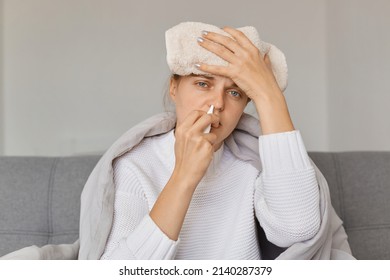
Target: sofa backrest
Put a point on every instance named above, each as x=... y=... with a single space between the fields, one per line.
x=40 y=199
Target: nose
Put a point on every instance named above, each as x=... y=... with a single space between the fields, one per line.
x=218 y=100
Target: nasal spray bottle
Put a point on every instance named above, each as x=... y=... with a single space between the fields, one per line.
x=210 y=111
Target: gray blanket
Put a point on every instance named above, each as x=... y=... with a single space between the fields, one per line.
x=97 y=201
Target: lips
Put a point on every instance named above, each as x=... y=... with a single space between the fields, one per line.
x=216 y=125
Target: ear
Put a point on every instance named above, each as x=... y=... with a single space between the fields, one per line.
x=173 y=89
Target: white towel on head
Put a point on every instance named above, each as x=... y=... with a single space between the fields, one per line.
x=183 y=50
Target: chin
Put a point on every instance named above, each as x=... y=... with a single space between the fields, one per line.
x=221 y=135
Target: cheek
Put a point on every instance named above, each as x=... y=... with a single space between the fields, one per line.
x=184 y=106
x=233 y=116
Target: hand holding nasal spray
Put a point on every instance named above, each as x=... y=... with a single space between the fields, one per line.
x=210 y=111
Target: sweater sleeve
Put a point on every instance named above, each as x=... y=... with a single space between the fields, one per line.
x=286 y=191
x=134 y=235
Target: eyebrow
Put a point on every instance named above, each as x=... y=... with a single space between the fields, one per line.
x=212 y=78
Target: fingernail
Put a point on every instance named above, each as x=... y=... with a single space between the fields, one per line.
x=200 y=39
x=197 y=65
x=204 y=32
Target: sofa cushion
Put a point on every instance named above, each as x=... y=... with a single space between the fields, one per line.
x=40 y=199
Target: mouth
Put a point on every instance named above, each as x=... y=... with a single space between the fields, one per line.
x=216 y=125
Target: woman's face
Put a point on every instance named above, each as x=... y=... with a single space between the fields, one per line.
x=198 y=92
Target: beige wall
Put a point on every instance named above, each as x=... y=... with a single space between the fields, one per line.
x=80 y=73
x=359 y=71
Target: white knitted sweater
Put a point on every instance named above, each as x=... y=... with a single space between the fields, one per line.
x=220 y=222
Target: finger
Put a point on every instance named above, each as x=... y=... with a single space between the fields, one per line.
x=223 y=40
x=267 y=61
x=218 y=49
x=191 y=118
x=210 y=137
x=240 y=37
x=205 y=121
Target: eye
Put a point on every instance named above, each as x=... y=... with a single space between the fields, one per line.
x=202 y=84
x=235 y=93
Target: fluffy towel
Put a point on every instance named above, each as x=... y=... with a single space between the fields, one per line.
x=183 y=50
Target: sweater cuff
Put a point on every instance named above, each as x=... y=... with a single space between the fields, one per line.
x=148 y=242
x=283 y=152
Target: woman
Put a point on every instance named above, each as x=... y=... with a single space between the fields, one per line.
x=193 y=184
x=185 y=195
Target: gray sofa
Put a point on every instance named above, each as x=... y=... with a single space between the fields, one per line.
x=40 y=199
